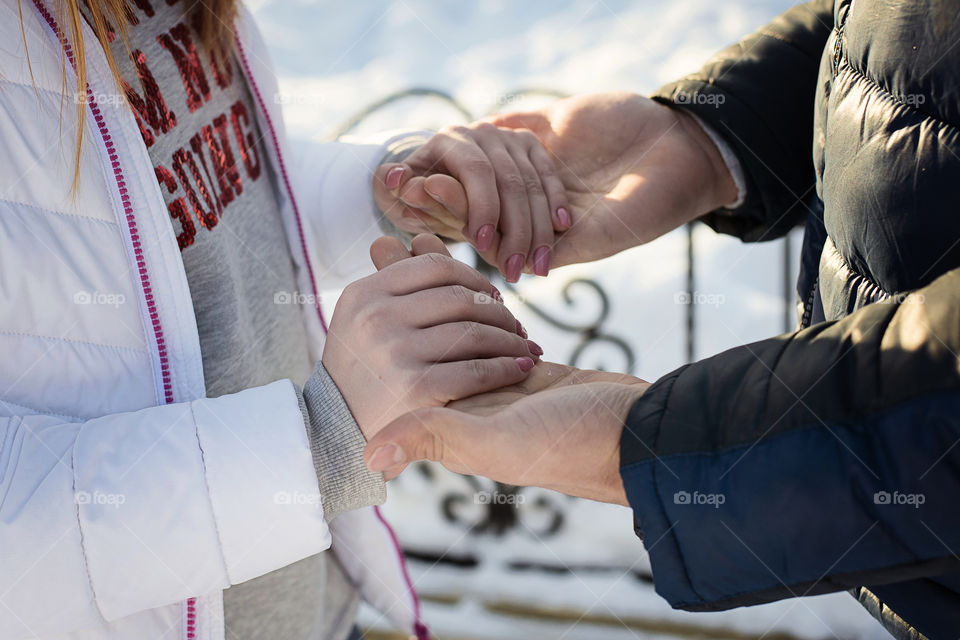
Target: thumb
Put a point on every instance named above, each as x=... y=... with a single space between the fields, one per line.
x=388 y=178
x=386 y=250
x=426 y=434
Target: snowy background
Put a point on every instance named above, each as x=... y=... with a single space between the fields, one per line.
x=334 y=59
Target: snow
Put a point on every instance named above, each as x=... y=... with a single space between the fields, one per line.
x=334 y=59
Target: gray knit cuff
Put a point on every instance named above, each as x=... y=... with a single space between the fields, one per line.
x=398 y=152
x=337 y=447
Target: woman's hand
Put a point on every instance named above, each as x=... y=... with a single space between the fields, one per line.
x=558 y=429
x=633 y=169
x=422 y=332
x=496 y=188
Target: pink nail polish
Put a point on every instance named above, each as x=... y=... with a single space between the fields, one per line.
x=525 y=364
x=541 y=261
x=535 y=349
x=394 y=177
x=514 y=267
x=564 y=217
x=485 y=238
x=521 y=331
x=496 y=295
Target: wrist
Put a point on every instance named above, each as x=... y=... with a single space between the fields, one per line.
x=721 y=187
x=606 y=484
x=337 y=444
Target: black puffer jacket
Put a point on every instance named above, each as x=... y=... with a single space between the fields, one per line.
x=836 y=449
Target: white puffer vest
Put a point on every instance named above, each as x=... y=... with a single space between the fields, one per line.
x=128 y=501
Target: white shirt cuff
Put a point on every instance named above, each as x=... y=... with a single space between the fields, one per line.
x=729 y=158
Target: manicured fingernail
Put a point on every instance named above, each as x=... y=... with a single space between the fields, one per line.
x=521 y=331
x=541 y=261
x=496 y=295
x=389 y=455
x=394 y=177
x=525 y=364
x=564 y=217
x=514 y=267
x=535 y=349
x=485 y=238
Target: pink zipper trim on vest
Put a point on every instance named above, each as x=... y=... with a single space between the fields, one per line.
x=286 y=178
x=419 y=628
x=127 y=210
x=137 y=250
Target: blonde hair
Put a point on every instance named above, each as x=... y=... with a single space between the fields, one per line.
x=213 y=19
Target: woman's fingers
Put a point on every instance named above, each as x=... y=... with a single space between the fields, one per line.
x=459 y=341
x=452 y=151
x=515 y=226
x=450 y=381
x=553 y=187
x=541 y=223
x=458 y=303
x=429 y=271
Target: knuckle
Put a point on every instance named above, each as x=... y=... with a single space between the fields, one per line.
x=513 y=183
x=431 y=447
x=472 y=334
x=462 y=298
x=455 y=130
x=533 y=186
x=479 y=165
x=439 y=265
x=487 y=128
x=482 y=372
x=548 y=172
x=371 y=315
x=527 y=135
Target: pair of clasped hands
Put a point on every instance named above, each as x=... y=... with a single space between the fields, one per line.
x=428 y=358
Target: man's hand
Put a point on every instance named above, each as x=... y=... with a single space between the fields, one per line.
x=633 y=169
x=497 y=188
x=559 y=429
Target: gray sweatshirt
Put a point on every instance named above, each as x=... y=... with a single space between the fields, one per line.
x=198 y=122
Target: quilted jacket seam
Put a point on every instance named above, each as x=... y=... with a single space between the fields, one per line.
x=41 y=209
x=890 y=95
